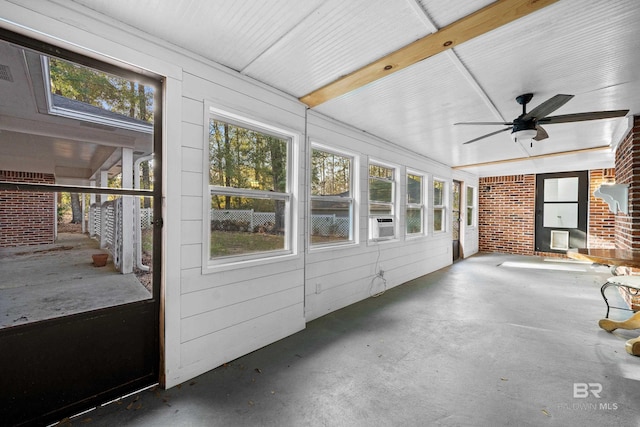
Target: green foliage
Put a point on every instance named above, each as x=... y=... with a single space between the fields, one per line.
x=229 y=225
x=380 y=172
x=414 y=189
x=330 y=174
x=226 y=243
x=438 y=192
x=100 y=89
x=380 y=191
x=245 y=158
x=242 y=203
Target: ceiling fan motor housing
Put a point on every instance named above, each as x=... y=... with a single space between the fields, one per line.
x=520 y=125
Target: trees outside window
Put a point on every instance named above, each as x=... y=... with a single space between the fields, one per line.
x=415 y=204
x=439 y=207
x=381 y=190
x=471 y=205
x=106 y=91
x=248 y=186
x=332 y=210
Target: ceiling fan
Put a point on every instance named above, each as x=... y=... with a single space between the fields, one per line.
x=527 y=126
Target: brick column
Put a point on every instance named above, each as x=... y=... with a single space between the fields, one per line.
x=26 y=218
x=628 y=172
x=602 y=222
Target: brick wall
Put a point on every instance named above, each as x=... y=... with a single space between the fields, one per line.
x=506 y=210
x=26 y=218
x=628 y=172
x=507 y=214
x=602 y=223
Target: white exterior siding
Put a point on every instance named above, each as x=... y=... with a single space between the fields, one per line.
x=342 y=275
x=212 y=316
x=230 y=310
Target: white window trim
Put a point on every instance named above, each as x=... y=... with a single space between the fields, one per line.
x=249 y=121
x=422 y=205
x=444 y=206
x=394 y=200
x=354 y=235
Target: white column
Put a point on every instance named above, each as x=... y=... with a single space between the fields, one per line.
x=84 y=212
x=92 y=201
x=104 y=182
x=127 y=212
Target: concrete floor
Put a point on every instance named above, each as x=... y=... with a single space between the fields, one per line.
x=45 y=281
x=474 y=344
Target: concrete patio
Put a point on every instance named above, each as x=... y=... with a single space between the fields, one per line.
x=480 y=343
x=46 y=281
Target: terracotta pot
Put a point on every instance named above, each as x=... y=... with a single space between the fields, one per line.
x=99 y=260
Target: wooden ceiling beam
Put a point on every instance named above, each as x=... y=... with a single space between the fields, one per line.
x=536 y=157
x=484 y=20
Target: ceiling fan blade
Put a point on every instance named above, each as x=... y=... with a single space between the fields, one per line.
x=548 y=106
x=487 y=135
x=542 y=134
x=485 y=123
x=581 y=117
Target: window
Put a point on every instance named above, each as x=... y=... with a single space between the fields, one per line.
x=439 y=208
x=331 y=198
x=248 y=185
x=415 y=204
x=381 y=192
x=83 y=93
x=471 y=206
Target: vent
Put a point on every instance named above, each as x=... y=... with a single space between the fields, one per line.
x=97 y=126
x=559 y=240
x=5 y=73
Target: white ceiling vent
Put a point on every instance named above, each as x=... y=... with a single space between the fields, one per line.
x=5 y=73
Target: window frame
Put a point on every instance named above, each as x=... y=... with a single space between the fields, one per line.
x=421 y=206
x=351 y=199
x=470 y=204
x=394 y=199
x=442 y=206
x=292 y=138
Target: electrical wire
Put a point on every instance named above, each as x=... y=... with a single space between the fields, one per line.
x=379 y=275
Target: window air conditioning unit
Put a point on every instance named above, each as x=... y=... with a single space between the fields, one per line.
x=382 y=227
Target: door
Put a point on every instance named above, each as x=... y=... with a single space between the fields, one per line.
x=80 y=175
x=561 y=211
x=455 y=227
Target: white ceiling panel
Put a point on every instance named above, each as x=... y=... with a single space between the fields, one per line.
x=553 y=51
x=336 y=39
x=416 y=108
x=230 y=32
x=443 y=13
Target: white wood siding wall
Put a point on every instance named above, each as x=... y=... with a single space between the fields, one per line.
x=229 y=311
x=353 y=269
x=212 y=317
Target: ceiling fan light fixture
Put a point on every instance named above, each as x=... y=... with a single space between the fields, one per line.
x=524 y=135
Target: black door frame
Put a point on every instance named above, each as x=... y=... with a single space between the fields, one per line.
x=55 y=368
x=578 y=235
